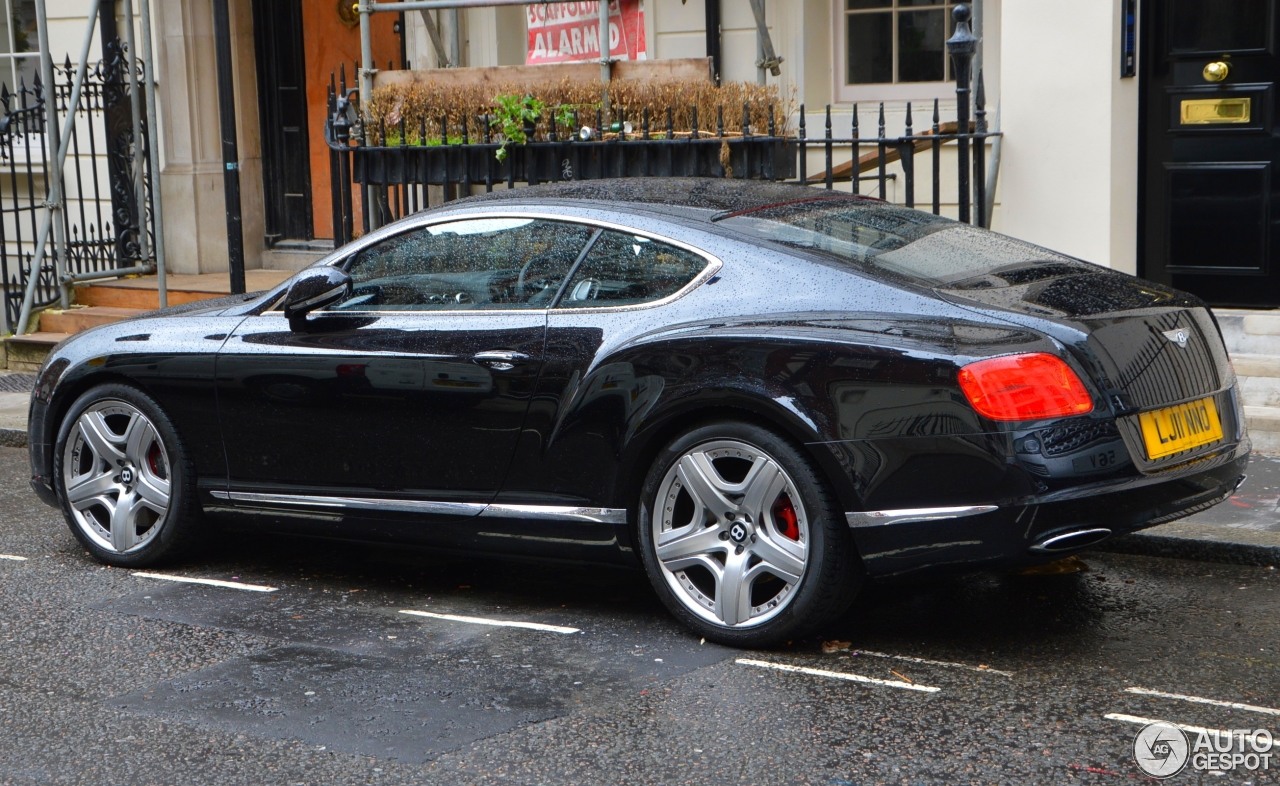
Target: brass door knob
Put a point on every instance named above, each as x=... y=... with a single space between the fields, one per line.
x=1216 y=71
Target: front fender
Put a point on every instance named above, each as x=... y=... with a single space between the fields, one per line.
x=171 y=357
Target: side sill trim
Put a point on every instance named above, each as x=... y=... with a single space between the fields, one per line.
x=354 y=503
x=880 y=518
x=535 y=512
x=556 y=512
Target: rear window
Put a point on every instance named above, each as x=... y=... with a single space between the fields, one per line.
x=924 y=248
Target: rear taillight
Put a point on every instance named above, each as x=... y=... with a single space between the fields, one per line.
x=1024 y=387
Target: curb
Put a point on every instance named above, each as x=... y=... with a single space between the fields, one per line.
x=13 y=438
x=1183 y=540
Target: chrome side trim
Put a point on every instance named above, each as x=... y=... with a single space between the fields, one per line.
x=879 y=518
x=536 y=512
x=357 y=503
x=557 y=513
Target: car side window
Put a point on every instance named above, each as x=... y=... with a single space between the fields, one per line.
x=622 y=269
x=478 y=263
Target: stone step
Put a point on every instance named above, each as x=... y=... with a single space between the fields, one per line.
x=74 y=320
x=27 y=353
x=1262 y=418
x=137 y=299
x=1259 y=391
x=292 y=259
x=1259 y=379
x=141 y=292
x=1262 y=324
x=1251 y=339
x=1250 y=365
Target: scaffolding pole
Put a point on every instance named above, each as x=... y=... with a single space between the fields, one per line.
x=153 y=149
x=58 y=143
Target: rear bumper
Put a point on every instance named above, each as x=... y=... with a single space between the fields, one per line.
x=1014 y=535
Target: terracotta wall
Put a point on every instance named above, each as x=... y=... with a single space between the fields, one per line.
x=330 y=43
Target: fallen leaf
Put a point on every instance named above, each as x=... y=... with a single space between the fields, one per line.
x=829 y=647
x=1061 y=567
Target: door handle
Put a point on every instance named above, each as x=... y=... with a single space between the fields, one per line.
x=500 y=359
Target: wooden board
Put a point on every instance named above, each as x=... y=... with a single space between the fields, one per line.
x=871 y=161
x=675 y=70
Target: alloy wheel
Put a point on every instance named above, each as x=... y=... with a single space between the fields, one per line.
x=116 y=476
x=731 y=534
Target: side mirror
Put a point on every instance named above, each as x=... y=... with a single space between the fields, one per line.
x=314 y=289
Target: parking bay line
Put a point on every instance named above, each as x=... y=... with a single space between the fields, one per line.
x=1118 y=716
x=13 y=557
x=494 y=623
x=838 y=675
x=928 y=662
x=1200 y=700
x=207 y=582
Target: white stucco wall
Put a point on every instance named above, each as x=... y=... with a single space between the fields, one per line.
x=1070 y=171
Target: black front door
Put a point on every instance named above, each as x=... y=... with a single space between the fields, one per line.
x=1211 y=162
x=282 y=112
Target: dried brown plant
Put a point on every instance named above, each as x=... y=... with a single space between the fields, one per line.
x=421 y=108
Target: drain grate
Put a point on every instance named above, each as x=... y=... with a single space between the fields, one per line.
x=17 y=383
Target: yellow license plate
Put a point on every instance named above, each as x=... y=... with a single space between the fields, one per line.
x=1181 y=427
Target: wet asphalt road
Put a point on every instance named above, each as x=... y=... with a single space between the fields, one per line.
x=109 y=678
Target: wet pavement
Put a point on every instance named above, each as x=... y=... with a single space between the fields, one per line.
x=1255 y=505
x=109 y=677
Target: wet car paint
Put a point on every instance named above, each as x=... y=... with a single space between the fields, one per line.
x=860 y=369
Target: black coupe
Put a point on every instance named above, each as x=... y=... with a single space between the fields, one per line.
x=761 y=393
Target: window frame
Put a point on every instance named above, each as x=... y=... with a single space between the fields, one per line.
x=713 y=266
x=344 y=262
x=884 y=91
x=11 y=58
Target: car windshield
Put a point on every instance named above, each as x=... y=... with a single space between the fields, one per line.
x=927 y=249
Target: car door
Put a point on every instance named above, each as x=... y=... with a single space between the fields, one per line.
x=586 y=408
x=404 y=401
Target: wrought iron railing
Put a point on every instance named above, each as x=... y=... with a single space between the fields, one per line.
x=101 y=219
x=373 y=184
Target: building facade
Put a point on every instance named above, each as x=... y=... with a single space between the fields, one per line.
x=1122 y=144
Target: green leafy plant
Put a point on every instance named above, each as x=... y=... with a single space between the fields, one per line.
x=511 y=112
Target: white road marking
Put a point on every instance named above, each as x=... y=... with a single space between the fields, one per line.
x=13 y=557
x=948 y=664
x=1117 y=716
x=207 y=582
x=495 y=623
x=1198 y=700
x=838 y=675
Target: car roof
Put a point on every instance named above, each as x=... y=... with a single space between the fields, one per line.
x=696 y=198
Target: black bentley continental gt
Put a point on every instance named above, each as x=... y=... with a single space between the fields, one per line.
x=761 y=393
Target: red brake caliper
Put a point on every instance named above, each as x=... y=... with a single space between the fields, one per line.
x=155 y=460
x=784 y=517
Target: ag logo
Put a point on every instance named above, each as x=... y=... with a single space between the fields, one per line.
x=738 y=533
x=1178 y=336
x=1161 y=749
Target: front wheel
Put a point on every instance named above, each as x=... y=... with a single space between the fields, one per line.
x=741 y=539
x=124 y=481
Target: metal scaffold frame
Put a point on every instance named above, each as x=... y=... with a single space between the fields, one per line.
x=141 y=91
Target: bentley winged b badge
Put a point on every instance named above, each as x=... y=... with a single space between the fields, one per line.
x=1178 y=336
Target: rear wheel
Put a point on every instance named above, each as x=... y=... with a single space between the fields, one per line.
x=741 y=539
x=123 y=478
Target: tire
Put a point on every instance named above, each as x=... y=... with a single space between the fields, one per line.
x=116 y=448
x=771 y=536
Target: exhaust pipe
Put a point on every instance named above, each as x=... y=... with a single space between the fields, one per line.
x=1071 y=541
